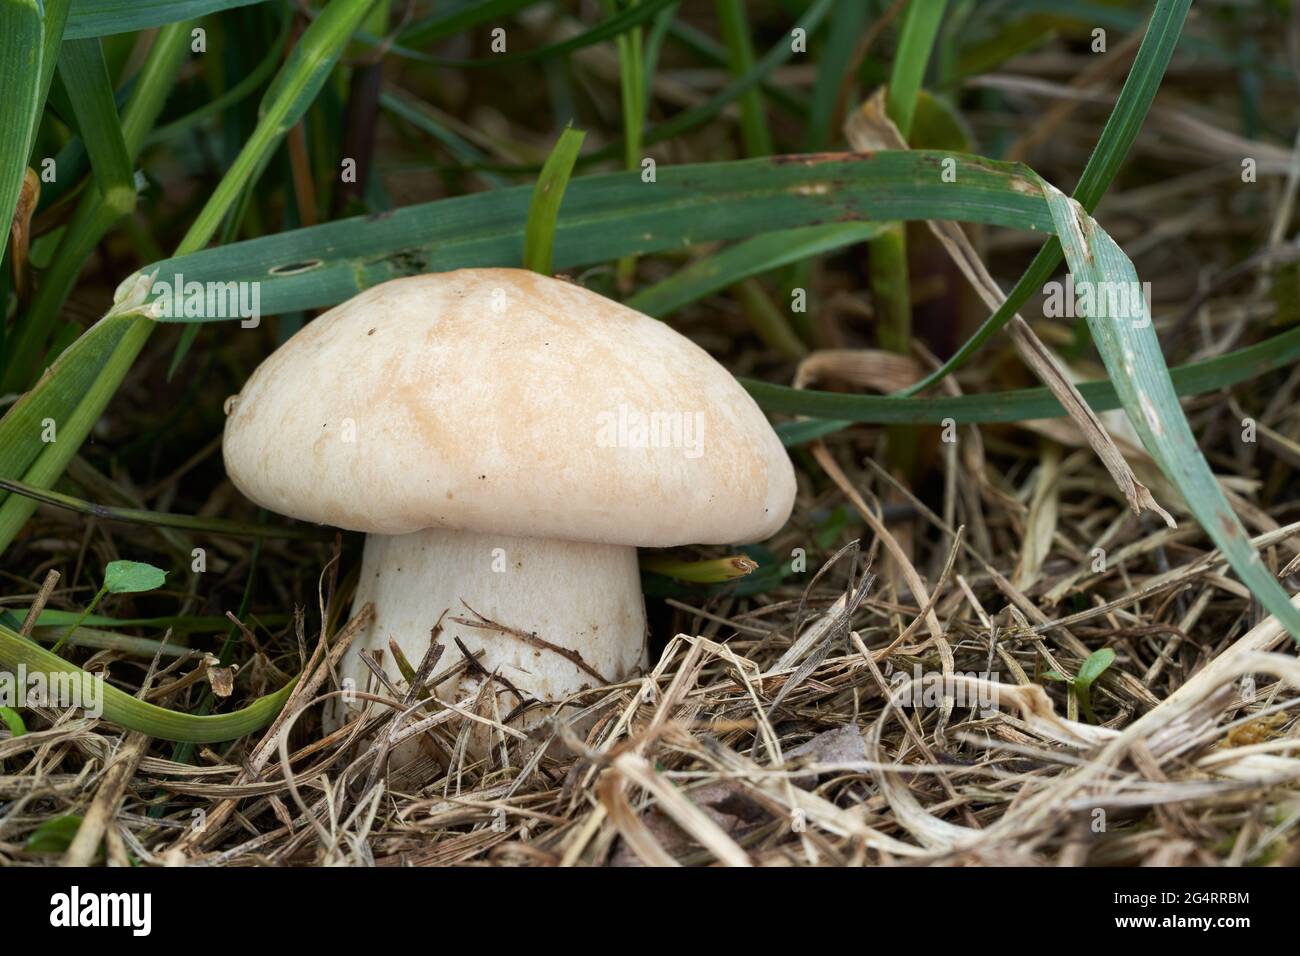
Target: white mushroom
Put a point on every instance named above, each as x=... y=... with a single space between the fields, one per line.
x=506 y=441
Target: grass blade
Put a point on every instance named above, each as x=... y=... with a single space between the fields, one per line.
x=22 y=35
x=1132 y=355
x=85 y=76
x=92 y=218
x=740 y=60
x=97 y=18
x=293 y=90
x=548 y=194
x=835 y=410
x=616 y=214
x=1112 y=146
x=748 y=258
x=132 y=713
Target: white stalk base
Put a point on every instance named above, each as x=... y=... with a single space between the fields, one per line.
x=577 y=609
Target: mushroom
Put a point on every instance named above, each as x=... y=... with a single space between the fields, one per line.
x=506 y=441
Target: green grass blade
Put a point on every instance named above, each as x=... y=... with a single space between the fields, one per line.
x=85 y=76
x=835 y=410
x=616 y=214
x=55 y=455
x=57 y=394
x=245 y=87
x=847 y=22
x=915 y=43
x=293 y=90
x=734 y=26
x=631 y=18
x=291 y=93
x=1121 y=129
x=97 y=18
x=463 y=16
x=92 y=218
x=161 y=519
x=56 y=21
x=548 y=194
x=1132 y=355
x=22 y=36
x=748 y=258
x=132 y=713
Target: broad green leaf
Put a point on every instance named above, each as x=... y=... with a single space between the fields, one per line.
x=132 y=577
x=548 y=194
x=1094 y=667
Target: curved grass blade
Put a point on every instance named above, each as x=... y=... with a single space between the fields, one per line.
x=1131 y=352
x=831 y=411
x=745 y=259
x=126 y=711
x=162 y=519
x=613 y=215
x=1121 y=129
x=73 y=419
x=97 y=18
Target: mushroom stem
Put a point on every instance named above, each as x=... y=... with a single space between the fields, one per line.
x=551 y=617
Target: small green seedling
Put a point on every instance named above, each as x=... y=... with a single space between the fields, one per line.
x=120 y=577
x=1092 y=669
x=54 y=835
x=13 y=720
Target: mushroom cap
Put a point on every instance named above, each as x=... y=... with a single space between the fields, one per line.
x=502 y=401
